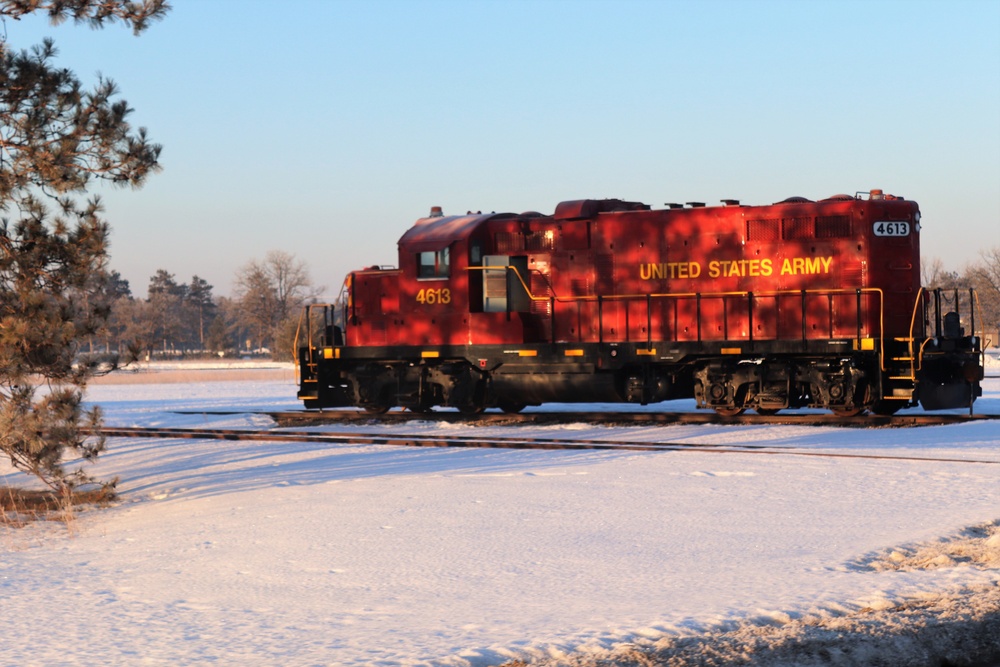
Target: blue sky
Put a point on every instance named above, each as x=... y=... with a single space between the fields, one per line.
x=325 y=128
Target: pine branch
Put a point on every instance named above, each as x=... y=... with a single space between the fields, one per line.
x=95 y=13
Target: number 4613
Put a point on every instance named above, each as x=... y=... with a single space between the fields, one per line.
x=432 y=296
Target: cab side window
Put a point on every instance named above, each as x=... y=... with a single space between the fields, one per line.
x=434 y=264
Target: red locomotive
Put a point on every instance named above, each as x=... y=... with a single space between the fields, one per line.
x=797 y=304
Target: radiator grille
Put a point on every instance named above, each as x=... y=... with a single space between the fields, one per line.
x=833 y=226
x=797 y=228
x=764 y=230
x=509 y=243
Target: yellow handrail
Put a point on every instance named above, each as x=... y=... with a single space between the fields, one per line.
x=643 y=295
x=710 y=295
x=915 y=364
x=917 y=361
x=295 y=345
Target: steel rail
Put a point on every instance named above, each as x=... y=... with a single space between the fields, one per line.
x=298 y=417
x=492 y=442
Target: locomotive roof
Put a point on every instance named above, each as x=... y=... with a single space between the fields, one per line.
x=439 y=230
x=445 y=229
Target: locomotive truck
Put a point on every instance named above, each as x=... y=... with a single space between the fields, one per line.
x=796 y=304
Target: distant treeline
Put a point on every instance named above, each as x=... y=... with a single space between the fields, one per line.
x=185 y=319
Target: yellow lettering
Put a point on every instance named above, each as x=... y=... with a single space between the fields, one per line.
x=671 y=270
x=799 y=265
x=735 y=268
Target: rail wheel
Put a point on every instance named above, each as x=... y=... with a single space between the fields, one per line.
x=729 y=412
x=767 y=412
x=471 y=409
x=376 y=409
x=842 y=411
x=511 y=407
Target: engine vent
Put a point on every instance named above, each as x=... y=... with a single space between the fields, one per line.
x=764 y=230
x=833 y=226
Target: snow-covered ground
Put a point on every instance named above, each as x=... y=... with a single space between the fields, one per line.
x=250 y=553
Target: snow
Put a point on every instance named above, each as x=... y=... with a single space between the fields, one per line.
x=256 y=553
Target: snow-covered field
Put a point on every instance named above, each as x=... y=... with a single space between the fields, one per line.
x=249 y=553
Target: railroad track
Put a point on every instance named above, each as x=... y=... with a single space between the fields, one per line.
x=494 y=442
x=302 y=417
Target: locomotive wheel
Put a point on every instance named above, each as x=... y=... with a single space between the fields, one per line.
x=729 y=412
x=471 y=409
x=841 y=411
x=511 y=408
x=376 y=409
x=767 y=412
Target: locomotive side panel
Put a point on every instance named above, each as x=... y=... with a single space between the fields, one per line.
x=373 y=307
x=433 y=294
x=891 y=232
x=735 y=273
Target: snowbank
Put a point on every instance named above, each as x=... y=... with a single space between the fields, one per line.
x=255 y=553
x=957 y=629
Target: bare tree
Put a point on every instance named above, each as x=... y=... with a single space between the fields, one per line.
x=985 y=277
x=933 y=274
x=270 y=292
x=292 y=283
x=258 y=302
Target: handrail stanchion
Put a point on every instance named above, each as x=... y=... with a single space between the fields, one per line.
x=804 y=330
x=697 y=315
x=600 y=319
x=649 y=321
x=858 y=293
x=937 y=312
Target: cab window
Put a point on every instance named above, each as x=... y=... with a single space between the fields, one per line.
x=434 y=264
